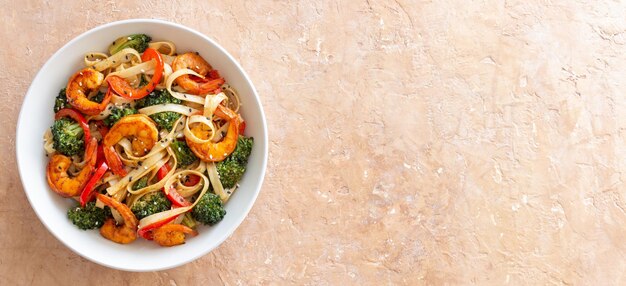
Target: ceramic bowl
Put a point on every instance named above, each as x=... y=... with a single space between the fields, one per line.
x=37 y=115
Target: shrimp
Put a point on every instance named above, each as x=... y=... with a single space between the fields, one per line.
x=196 y=63
x=212 y=151
x=61 y=182
x=172 y=234
x=125 y=233
x=144 y=133
x=80 y=85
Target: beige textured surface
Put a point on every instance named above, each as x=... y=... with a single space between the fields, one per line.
x=412 y=142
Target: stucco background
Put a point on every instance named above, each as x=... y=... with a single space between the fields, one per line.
x=411 y=142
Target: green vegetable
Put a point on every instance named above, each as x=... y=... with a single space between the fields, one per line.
x=142 y=183
x=61 y=101
x=232 y=168
x=88 y=217
x=164 y=120
x=117 y=113
x=99 y=97
x=143 y=81
x=183 y=153
x=209 y=209
x=230 y=172
x=243 y=150
x=67 y=136
x=188 y=221
x=157 y=97
x=150 y=204
x=138 y=42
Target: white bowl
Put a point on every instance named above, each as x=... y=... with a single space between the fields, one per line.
x=37 y=115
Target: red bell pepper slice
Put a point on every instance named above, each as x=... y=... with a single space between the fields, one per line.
x=102 y=127
x=89 y=190
x=242 y=127
x=100 y=155
x=162 y=172
x=124 y=89
x=172 y=195
x=146 y=232
x=191 y=180
x=73 y=114
x=177 y=199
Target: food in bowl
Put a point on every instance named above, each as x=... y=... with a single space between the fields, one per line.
x=149 y=142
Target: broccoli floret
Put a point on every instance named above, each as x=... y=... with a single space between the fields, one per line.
x=183 y=153
x=117 y=113
x=138 y=42
x=157 y=97
x=188 y=221
x=150 y=204
x=209 y=209
x=67 y=136
x=232 y=168
x=243 y=150
x=88 y=217
x=164 y=120
x=230 y=172
x=142 y=183
x=61 y=101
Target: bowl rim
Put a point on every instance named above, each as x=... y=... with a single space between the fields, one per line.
x=257 y=100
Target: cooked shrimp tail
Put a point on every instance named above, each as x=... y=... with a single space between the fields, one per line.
x=125 y=233
x=198 y=86
x=79 y=87
x=57 y=172
x=172 y=234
